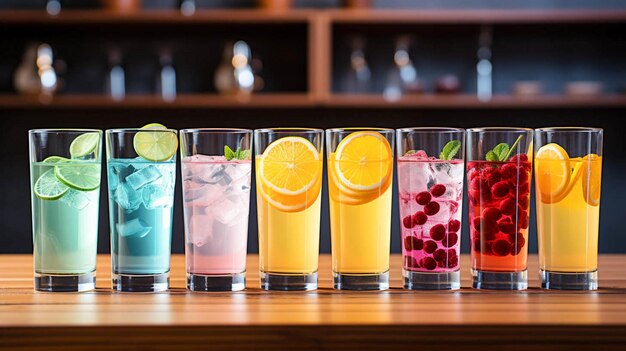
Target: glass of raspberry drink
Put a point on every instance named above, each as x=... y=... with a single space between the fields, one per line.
x=430 y=185
x=498 y=176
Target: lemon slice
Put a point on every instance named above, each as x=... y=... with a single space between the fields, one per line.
x=155 y=146
x=84 y=145
x=592 y=174
x=290 y=166
x=552 y=172
x=47 y=187
x=363 y=161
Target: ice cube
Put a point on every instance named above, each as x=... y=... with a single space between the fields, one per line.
x=203 y=195
x=200 y=229
x=143 y=176
x=226 y=211
x=136 y=228
x=75 y=199
x=156 y=196
x=212 y=174
x=127 y=197
x=140 y=162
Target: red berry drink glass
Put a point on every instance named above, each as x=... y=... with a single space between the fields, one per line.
x=498 y=178
x=430 y=185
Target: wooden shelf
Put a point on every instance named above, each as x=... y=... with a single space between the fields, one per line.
x=92 y=17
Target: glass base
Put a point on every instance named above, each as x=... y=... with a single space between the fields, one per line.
x=431 y=281
x=141 y=282
x=569 y=281
x=65 y=282
x=499 y=280
x=288 y=282
x=224 y=282
x=361 y=281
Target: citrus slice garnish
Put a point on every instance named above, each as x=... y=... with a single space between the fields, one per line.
x=592 y=174
x=47 y=187
x=553 y=172
x=290 y=166
x=55 y=159
x=77 y=176
x=155 y=146
x=84 y=144
x=363 y=161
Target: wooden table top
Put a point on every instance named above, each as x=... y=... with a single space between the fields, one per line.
x=322 y=319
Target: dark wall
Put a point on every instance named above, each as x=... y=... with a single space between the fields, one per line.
x=15 y=225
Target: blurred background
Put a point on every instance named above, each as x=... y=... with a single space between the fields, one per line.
x=308 y=63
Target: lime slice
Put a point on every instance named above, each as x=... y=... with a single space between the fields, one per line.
x=79 y=177
x=47 y=187
x=84 y=144
x=155 y=146
x=55 y=159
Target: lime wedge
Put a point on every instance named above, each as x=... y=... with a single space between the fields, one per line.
x=47 y=187
x=84 y=144
x=79 y=177
x=155 y=146
x=55 y=159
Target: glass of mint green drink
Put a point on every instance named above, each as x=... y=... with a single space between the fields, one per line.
x=141 y=167
x=65 y=192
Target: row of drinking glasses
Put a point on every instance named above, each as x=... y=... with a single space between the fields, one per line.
x=216 y=166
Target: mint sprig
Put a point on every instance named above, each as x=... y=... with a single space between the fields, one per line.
x=239 y=154
x=450 y=150
x=502 y=151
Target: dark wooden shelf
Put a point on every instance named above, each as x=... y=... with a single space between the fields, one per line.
x=91 y=17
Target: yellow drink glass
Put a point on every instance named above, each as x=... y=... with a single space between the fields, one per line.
x=360 y=176
x=289 y=184
x=568 y=171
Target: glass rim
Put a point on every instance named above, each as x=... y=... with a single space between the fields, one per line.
x=360 y=129
x=499 y=129
x=131 y=130
x=287 y=130
x=430 y=130
x=215 y=130
x=570 y=129
x=63 y=130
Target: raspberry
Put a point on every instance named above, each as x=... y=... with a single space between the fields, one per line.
x=413 y=243
x=522 y=176
x=428 y=262
x=438 y=190
x=472 y=174
x=487 y=248
x=407 y=222
x=454 y=225
x=410 y=262
x=440 y=255
x=438 y=232
x=507 y=206
x=505 y=220
x=501 y=247
x=507 y=228
x=524 y=202
x=450 y=240
x=423 y=198
x=479 y=183
x=519 y=158
x=524 y=189
x=476 y=244
x=476 y=223
x=522 y=220
x=473 y=196
x=491 y=214
x=492 y=175
x=453 y=261
x=500 y=189
x=419 y=218
x=508 y=171
x=431 y=208
x=517 y=246
x=430 y=246
x=452 y=252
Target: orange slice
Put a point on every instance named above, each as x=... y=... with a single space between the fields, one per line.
x=363 y=161
x=553 y=172
x=592 y=174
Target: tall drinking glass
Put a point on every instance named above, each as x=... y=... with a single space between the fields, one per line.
x=65 y=194
x=430 y=186
x=141 y=173
x=568 y=172
x=216 y=171
x=360 y=176
x=288 y=183
x=499 y=163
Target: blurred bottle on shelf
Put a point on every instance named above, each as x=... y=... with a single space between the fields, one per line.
x=402 y=78
x=527 y=88
x=166 y=80
x=357 y=4
x=235 y=75
x=484 y=68
x=448 y=84
x=116 y=82
x=359 y=77
x=36 y=73
x=122 y=6
x=188 y=7
x=53 y=7
x=275 y=5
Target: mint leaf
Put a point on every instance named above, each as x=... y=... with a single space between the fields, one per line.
x=244 y=155
x=491 y=156
x=508 y=154
x=229 y=154
x=450 y=149
x=410 y=152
